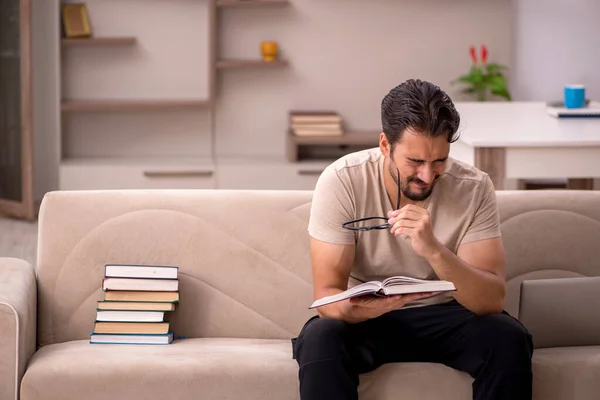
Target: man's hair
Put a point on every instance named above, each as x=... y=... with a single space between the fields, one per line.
x=421 y=106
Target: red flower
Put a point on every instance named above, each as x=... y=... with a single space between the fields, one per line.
x=484 y=54
x=473 y=54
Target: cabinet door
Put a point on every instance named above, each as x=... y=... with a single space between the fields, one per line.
x=147 y=175
x=16 y=181
x=266 y=175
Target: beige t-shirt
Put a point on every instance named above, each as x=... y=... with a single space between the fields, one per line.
x=462 y=207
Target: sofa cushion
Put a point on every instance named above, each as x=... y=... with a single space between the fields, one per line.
x=423 y=381
x=263 y=369
x=204 y=368
x=567 y=373
x=209 y=369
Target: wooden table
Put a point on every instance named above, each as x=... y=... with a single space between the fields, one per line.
x=518 y=140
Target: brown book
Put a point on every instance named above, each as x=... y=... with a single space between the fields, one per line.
x=132 y=327
x=325 y=126
x=126 y=295
x=313 y=112
x=317 y=132
x=134 y=306
x=312 y=117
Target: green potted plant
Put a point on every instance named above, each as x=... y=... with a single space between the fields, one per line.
x=484 y=78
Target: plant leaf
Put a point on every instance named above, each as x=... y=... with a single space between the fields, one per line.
x=503 y=93
x=494 y=68
x=498 y=87
x=474 y=76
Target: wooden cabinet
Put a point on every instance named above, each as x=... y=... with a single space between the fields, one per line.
x=268 y=175
x=16 y=154
x=238 y=174
x=141 y=174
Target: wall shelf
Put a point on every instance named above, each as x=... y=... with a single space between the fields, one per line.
x=302 y=148
x=251 y=3
x=348 y=138
x=131 y=105
x=104 y=41
x=242 y=64
x=101 y=168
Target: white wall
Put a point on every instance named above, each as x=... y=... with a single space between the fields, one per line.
x=556 y=42
x=344 y=55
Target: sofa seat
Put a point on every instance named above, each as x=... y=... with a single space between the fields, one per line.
x=229 y=368
x=567 y=373
x=208 y=368
x=204 y=368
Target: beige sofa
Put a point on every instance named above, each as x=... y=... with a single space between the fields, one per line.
x=245 y=287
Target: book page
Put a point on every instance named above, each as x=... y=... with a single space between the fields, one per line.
x=403 y=280
x=358 y=290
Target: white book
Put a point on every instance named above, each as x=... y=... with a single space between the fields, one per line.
x=592 y=110
x=390 y=286
x=129 y=316
x=103 y=338
x=140 y=271
x=134 y=284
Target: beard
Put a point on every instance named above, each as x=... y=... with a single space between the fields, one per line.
x=421 y=193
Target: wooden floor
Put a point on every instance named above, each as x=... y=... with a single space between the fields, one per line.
x=18 y=239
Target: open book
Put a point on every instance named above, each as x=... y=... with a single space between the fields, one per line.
x=390 y=286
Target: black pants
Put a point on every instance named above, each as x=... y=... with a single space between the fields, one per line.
x=495 y=350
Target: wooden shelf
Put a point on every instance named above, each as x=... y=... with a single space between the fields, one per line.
x=359 y=138
x=312 y=148
x=129 y=105
x=105 y=41
x=251 y=3
x=258 y=63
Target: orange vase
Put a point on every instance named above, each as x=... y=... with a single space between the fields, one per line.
x=269 y=50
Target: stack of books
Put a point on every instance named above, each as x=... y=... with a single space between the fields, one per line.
x=316 y=123
x=136 y=300
x=558 y=110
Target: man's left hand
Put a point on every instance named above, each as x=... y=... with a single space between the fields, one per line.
x=415 y=222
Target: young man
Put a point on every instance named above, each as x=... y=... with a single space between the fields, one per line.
x=443 y=224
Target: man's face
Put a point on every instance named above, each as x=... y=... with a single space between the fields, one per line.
x=421 y=160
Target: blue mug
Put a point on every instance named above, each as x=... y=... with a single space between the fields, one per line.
x=574 y=96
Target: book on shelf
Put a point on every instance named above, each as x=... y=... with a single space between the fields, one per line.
x=316 y=123
x=391 y=286
x=137 y=299
x=315 y=117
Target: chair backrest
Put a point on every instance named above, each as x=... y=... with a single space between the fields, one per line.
x=243 y=256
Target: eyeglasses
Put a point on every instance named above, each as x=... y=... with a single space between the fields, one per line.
x=386 y=225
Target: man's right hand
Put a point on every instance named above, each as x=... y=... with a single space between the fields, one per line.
x=332 y=264
x=362 y=308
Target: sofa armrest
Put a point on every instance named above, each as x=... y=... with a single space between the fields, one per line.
x=18 y=309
